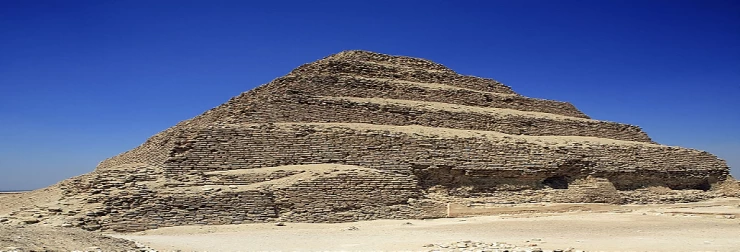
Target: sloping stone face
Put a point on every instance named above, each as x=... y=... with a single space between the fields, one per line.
x=495 y=160
x=360 y=135
x=315 y=109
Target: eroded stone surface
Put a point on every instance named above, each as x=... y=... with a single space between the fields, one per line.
x=361 y=136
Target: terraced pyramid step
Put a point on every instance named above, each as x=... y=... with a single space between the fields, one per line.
x=347 y=64
x=349 y=86
x=341 y=85
x=251 y=176
x=360 y=135
x=300 y=108
x=501 y=161
x=396 y=61
x=312 y=193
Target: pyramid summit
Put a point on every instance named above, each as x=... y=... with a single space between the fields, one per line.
x=360 y=135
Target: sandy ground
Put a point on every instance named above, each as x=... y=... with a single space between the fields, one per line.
x=12 y=201
x=47 y=238
x=705 y=226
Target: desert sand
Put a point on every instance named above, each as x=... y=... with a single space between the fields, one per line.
x=701 y=226
x=48 y=238
x=704 y=226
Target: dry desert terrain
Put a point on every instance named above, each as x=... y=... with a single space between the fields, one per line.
x=704 y=226
x=701 y=226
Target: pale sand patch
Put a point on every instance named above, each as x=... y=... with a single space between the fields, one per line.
x=48 y=238
x=307 y=173
x=642 y=228
x=312 y=167
x=48 y=196
x=497 y=112
x=3 y=194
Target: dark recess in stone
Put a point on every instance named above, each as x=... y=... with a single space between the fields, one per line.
x=556 y=182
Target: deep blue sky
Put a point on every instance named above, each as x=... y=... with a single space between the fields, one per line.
x=81 y=81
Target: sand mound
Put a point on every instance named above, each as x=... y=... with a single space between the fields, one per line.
x=45 y=238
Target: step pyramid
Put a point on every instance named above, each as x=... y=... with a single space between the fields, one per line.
x=361 y=135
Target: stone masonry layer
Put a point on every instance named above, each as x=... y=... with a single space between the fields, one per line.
x=496 y=160
x=152 y=150
x=314 y=193
x=410 y=70
x=391 y=89
x=345 y=85
x=155 y=151
x=409 y=62
x=300 y=108
x=361 y=135
x=350 y=86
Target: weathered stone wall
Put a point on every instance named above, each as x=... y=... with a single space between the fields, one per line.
x=298 y=108
x=153 y=152
x=136 y=212
x=504 y=163
x=99 y=183
x=592 y=190
x=156 y=149
x=375 y=70
x=409 y=62
x=342 y=86
x=333 y=195
x=331 y=198
x=228 y=165
x=215 y=178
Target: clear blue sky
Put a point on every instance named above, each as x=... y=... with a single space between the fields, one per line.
x=81 y=81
